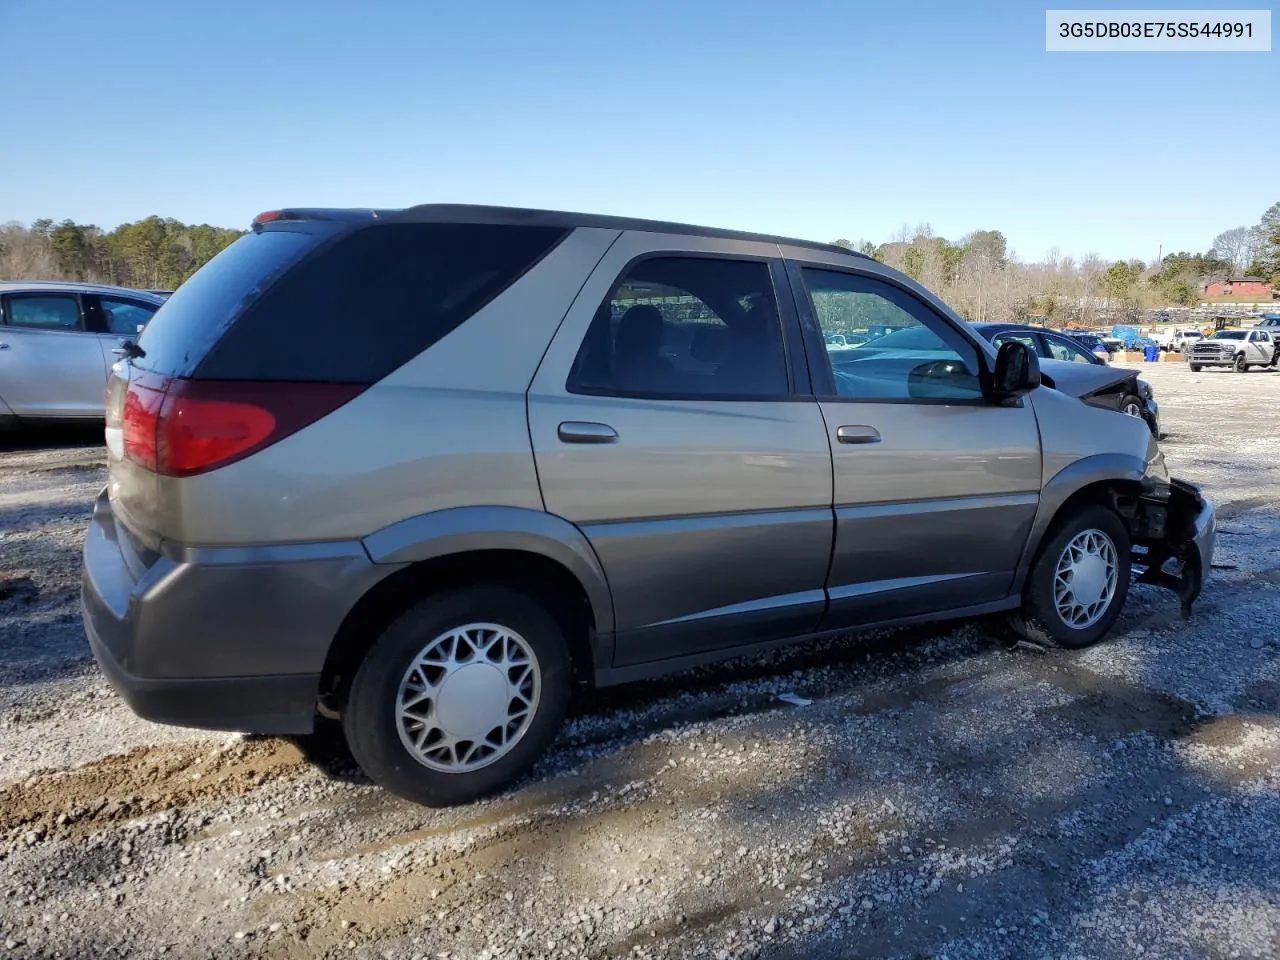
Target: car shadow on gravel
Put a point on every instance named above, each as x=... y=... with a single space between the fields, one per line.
x=51 y=437
x=603 y=720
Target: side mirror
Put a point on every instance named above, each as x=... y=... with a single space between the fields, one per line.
x=1017 y=371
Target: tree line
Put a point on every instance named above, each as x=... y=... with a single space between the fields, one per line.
x=981 y=278
x=978 y=274
x=155 y=252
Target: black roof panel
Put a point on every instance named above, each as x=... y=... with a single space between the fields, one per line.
x=479 y=213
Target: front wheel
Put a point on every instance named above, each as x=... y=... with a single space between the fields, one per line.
x=1131 y=406
x=1195 y=368
x=1078 y=583
x=1241 y=364
x=459 y=696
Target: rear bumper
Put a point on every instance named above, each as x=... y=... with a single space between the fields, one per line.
x=221 y=638
x=278 y=705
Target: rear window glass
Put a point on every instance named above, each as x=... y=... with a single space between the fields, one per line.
x=373 y=300
x=190 y=321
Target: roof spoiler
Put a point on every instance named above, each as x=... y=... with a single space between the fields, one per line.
x=275 y=216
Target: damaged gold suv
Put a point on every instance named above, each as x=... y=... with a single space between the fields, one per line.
x=424 y=470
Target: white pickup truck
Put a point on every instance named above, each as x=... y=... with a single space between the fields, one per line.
x=1237 y=349
x=1179 y=339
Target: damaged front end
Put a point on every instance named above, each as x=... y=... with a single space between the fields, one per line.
x=1173 y=531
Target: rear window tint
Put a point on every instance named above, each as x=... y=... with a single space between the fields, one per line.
x=190 y=321
x=373 y=300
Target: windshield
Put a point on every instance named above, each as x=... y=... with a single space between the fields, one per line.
x=907 y=338
x=1231 y=335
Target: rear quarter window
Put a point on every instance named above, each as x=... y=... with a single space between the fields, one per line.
x=192 y=319
x=372 y=300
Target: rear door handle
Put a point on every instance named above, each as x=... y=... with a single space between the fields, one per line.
x=857 y=434
x=581 y=431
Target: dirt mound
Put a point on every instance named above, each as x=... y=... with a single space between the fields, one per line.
x=142 y=781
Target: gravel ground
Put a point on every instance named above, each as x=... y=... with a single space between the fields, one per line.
x=944 y=795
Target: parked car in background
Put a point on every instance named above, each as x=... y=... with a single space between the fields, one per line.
x=663 y=465
x=57 y=345
x=1126 y=392
x=1241 y=350
x=1179 y=339
x=1090 y=341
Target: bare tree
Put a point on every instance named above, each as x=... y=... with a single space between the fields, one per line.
x=1235 y=246
x=25 y=254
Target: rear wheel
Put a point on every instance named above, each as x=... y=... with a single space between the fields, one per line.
x=460 y=695
x=1078 y=583
x=1241 y=365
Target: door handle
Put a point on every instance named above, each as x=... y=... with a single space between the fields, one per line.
x=857 y=434
x=580 y=431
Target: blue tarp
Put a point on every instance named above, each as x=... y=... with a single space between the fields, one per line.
x=1126 y=333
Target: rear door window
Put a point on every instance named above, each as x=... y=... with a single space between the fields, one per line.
x=1060 y=348
x=124 y=317
x=43 y=311
x=686 y=327
x=368 y=302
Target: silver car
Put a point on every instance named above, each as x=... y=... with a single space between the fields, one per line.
x=57 y=345
x=427 y=470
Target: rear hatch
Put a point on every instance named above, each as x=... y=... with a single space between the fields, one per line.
x=155 y=383
x=293 y=320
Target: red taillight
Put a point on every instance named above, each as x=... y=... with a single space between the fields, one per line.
x=139 y=420
x=185 y=427
x=266 y=217
x=196 y=435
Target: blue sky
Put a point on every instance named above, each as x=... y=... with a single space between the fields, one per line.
x=810 y=119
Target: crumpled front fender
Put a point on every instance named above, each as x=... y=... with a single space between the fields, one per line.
x=1174 y=533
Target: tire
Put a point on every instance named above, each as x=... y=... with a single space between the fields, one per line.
x=1241 y=365
x=378 y=736
x=1040 y=620
x=1132 y=406
x=1195 y=368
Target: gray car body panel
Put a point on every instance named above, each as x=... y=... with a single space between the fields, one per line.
x=441 y=431
x=467 y=529
x=242 y=611
x=959 y=482
x=709 y=527
x=691 y=492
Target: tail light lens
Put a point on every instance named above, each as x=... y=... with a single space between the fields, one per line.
x=180 y=428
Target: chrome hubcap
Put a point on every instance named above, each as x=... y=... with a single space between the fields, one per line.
x=468 y=697
x=1085 y=580
x=1132 y=409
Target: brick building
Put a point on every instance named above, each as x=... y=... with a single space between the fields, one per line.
x=1239 y=287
